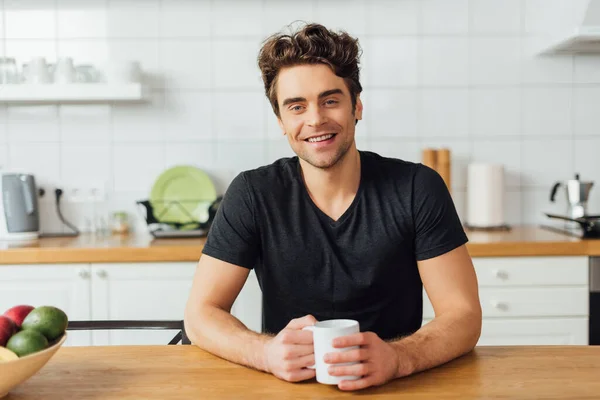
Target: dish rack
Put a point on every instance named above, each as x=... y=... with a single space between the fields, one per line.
x=160 y=227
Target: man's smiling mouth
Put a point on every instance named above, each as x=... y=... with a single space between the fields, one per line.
x=320 y=138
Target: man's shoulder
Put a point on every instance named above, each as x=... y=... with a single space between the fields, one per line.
x=278 y=174
x=390 y=168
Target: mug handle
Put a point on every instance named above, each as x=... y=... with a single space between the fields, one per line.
x=312 y=329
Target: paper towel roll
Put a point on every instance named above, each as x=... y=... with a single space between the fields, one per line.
x=485 y=195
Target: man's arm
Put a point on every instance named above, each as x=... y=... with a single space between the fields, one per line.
x=451 y=284
x=208 y=321
x=210 y=325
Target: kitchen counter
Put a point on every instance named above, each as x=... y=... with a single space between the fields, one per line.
x=519 y=241
x=186 y=372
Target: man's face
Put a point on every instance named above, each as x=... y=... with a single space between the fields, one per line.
x=316 y=113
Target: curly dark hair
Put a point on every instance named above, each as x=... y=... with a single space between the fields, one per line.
x=313 y=44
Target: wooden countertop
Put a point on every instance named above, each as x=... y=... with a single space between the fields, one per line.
x=519 y=241
x=186 y=372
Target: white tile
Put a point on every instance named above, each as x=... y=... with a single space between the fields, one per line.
x=505 y=152
x=4 y=157
x=186 y=64
x=547 y=111
x=495 y=61
x=82 y=19
x=549 y=16
x=29 y=19
x=146 y=52
x=444 y=113
x=586 y=114
x=135 y=122
x=188 y=116
x=545 y=162
x=496 y=112
x=93 y=52
x=536 y=202
x=38 y=123
x=133 y=18
x=393 y=17
x=587 y=162
x=362 y=143
x=40 y=159
x=237 y=156
x=185 y=18
x=85 y=123
x=587 y=69
x=396 y=148
x=49 y=221
x=392 y=62
x=445 y=16
x=238 y=115
x=496 y=17
x=460 y=156
x=390 y=112
x=273 y=131
x=459 y=199
x=23 y=50
x=137 y=166
x=237 y=18
x=445 y=61
x=286 y=16
x=86 y=165
x=513 y=207
x=351 y=20
x=277 y=149
x=543 y=68
x=234 y=64
x=198 y=154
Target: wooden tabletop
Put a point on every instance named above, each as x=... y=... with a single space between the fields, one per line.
x=519 y=241
x=186 y=372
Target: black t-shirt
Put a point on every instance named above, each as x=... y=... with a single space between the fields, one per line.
x=362 y=266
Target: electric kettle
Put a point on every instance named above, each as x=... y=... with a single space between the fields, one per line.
x=19 y=211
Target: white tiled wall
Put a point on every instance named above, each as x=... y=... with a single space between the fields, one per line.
x=457 y=73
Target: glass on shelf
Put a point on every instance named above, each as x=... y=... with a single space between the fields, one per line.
x=9 y=73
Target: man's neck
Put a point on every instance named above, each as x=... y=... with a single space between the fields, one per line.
x=333 y=189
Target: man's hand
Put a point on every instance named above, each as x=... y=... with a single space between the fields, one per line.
x=378 y=361
x=289 y=353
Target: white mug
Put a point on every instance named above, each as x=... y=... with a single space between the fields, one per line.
x=37 y=71
x=64 y=72
x=323 y=334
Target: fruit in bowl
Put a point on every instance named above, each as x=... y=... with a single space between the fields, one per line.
x=33 y=336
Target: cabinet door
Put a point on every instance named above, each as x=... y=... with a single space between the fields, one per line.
x=141 y=291
x=64 y=286
x=248 y=305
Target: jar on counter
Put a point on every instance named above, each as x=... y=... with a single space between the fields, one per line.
x=119 y=223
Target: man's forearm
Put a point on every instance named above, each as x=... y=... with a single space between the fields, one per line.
x=443 y=339
x=218 y=332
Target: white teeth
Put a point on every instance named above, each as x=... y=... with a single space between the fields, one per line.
x=320 y=138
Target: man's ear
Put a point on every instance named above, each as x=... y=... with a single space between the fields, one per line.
x=281 y=125
x=358 y=109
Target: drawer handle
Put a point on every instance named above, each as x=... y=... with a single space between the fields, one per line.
x=499 y=305
x=101 y=274
x=83 y=274
x=500 y=274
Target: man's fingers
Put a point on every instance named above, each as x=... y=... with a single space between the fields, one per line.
x=360 y=369
x=298 y=350
x=299 y=375
x=361 y=354
x=355 y=385
x=356 y=339
x=290 y=336
x=300 y=323
x=303 y=362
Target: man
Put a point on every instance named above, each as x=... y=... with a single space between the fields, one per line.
x=334 y=233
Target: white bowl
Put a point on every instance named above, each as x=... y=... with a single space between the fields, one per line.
x=15 y=372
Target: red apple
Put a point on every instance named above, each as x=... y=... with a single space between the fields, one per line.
x=7 y=329
x=18 y=314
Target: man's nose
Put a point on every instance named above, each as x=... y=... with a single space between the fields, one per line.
x=316 y=117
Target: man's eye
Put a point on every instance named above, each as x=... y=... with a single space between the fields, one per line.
x=296 y=108
x=330 y=102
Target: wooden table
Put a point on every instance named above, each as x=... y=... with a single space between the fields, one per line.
x=186 y=372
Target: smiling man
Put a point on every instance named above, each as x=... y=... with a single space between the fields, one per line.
x=334 y=233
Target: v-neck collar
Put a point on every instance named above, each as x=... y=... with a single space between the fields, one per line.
x=326 y=218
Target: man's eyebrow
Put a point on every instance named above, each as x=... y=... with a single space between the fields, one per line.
x=321 y=95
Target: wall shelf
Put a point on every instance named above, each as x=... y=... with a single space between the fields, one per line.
x=71 y=93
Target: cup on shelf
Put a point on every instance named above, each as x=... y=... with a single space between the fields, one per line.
x=8 y=71
x=87 y=74
x=37 y=71
x=64 y=71
x=123 y=72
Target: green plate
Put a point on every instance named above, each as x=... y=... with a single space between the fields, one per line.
x=189 y=186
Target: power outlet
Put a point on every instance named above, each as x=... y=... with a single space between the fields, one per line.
x=85 y=194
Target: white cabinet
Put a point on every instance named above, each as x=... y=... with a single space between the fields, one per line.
x=64 y=286
x=531 y=300
x=139 y=291
x=117 y=291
